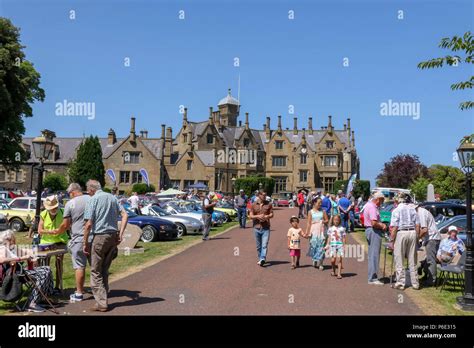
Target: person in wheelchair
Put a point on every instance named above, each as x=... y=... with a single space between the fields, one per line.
x=41 y=276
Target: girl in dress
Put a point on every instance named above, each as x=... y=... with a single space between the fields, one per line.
x=316 y=229
x=294 y=241
x=336 y=241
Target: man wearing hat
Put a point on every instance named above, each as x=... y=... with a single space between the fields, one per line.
x=50 y=220
x=241 y=204
x=450 y=246
x=405 y=230
x=374 y=229
x=431 y=239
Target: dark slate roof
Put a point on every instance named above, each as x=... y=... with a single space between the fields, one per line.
x=154 y=145
x=68 y=147
x=206 y=156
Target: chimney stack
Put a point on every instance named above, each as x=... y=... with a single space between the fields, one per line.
x=247 y=120
x=145 y=132
x=268 y=132
x=329 y=127
x=111 y=138
x=185 y=117
x=211 y=118
x=240 y=123
x=353 y=139
x=279 y=124
x=295 y=125
x=310 y=125
x=349 y=129
x=163 y=127
x=133 y=136
x=345 y=126
x=169 y=133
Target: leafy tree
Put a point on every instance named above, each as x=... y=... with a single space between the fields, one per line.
x=448 y=181
x=88 y=163
x=252 y=183
x=19 y=87
x=401 y=171
x=361 y=187
x=55 y=182
x=464 y=44
x=419 y=188
x=142 y=188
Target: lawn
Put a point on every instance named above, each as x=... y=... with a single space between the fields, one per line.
x=124 y=265
x=432 y=300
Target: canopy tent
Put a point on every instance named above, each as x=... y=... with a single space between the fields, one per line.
x=171 y=192
x=198 y=186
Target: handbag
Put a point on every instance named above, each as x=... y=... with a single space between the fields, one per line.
x=11 y=286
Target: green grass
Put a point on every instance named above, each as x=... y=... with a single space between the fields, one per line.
x=446 y=299
x=122 y=264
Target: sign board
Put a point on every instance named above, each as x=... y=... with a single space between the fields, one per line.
x=131 y=236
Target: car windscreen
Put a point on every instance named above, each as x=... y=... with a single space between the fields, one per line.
x=160 y=211
x=129 y=211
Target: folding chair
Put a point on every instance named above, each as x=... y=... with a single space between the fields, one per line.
x=29 y=283
x=453 y=272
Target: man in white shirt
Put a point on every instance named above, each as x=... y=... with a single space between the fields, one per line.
x=431 y=239
x=404 y=229
x=133 y=200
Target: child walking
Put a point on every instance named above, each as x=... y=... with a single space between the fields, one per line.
x=294 y=234
x=316 y=229
x=336 y=242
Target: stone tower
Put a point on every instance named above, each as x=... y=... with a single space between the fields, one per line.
x=229 y=110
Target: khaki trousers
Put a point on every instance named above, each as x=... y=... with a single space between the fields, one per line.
x=405 y=245
x=102 y=253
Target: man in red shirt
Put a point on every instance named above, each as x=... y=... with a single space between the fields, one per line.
x=301 y=204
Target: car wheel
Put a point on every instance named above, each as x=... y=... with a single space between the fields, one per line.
x=181 y=230
x=227 y=218
x=17 y=225
x=149 y=234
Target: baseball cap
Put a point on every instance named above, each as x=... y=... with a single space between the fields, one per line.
x=452 y=228
x=378 y=195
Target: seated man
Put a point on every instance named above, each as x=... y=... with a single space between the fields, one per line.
x=450 y=246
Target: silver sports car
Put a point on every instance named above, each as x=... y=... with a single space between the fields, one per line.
x=185 y=224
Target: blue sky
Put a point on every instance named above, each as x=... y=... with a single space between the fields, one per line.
x=283 y=62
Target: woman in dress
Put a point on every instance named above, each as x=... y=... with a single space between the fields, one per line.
x=316 y=229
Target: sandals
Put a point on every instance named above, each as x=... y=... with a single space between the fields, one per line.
x=339 y=276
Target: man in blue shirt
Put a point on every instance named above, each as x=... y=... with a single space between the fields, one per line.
x=450 y=246
x=343 y=206
x=326 y=205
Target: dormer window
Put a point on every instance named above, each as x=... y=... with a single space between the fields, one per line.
x=329 y=144
x=210 y=138
x=279 y=144
x=246 y=142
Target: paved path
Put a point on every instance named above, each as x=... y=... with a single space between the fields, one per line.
x=210 y=279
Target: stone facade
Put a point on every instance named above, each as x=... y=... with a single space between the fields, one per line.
x=216 y=152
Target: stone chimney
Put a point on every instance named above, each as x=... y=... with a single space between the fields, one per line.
x=111 y=138
x=133 y=136
x=353 y=140
x=279 y=124
x=329 y=127
x=163 y=127
x=169 y=133
x=345 y=127
x=211 y=116
x=268 y=132
x=145 y=133
x=240 y=123
x=310 y=125
x=295 y=125
x=247 y=120
x=185 y=117
x=349 y=129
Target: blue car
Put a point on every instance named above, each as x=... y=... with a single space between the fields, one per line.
x=153 y=228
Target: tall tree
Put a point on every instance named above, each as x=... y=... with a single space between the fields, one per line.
x=464 y=44
x=88 y=163
x=401 y=171
x=19 y=87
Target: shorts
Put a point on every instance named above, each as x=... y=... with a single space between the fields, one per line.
x=79 y=259
x=336 y=250
x=295 y=252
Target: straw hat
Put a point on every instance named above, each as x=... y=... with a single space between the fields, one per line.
x=51 y=202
